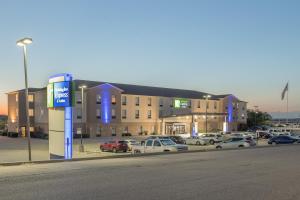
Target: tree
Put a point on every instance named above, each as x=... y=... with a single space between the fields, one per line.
x=258 y=118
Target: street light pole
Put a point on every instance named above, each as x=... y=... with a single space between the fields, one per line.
x=81 y=147
x=23 y=42
x=206 y=101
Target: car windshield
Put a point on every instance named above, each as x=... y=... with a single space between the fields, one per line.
x=167 y=142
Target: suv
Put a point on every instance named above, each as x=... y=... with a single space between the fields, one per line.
x=211 y=138
x=114 y=146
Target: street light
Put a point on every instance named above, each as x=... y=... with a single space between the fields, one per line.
x=81 y=147
x=206 y=97
x=22 y=43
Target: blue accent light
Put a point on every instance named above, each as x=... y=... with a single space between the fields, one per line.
x=106 y=104
x=68 y=133
x=194 y=131
x=68 y=126
x=230 y=109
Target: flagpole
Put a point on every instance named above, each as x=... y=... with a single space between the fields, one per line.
x=287 y=104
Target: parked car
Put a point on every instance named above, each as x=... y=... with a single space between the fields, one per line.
x=264 y=134
x=236 y=142
x=195 y=141
x=158 y=144
x=184 y=135
x=177 y=139
x=114 y=146
x=211 y=138
x=283 y=139
x=237 y=135
x=131 y=143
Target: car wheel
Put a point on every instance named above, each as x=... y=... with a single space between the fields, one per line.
x=212 y=142
x=125 y=151
x=241 y=146
x=218 y=147
x=198 y=143
x=114 y=150
x=101 y=149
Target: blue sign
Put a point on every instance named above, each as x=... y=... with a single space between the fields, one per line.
x=62 y=94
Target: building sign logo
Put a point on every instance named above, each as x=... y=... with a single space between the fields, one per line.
x=59 y=94
x=181 y=103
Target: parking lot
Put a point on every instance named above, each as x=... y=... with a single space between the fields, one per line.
x=15 y=149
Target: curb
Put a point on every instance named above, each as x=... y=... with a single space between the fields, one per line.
x=136 y=155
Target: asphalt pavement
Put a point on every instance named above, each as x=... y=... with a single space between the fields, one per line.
x=264 y=173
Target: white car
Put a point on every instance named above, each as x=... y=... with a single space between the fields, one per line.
x=211 y=138
x=184 y=135
x=195 y=141
x=237 y=135
x=154 y=145
x=236 y=142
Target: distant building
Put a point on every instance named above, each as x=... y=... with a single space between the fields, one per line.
x=113 y=109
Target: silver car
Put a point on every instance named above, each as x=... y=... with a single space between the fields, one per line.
x=195 y=141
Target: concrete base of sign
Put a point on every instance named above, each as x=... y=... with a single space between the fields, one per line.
x=56 y=133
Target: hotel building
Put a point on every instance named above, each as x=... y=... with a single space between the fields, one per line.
x=110 y=109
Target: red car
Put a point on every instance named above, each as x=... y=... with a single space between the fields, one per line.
x=114 y=146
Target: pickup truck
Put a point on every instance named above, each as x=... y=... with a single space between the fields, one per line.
x=155 y=145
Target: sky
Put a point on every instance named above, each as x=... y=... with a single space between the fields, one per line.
x=246 y=48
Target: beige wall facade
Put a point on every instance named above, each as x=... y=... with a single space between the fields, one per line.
x=107 y=110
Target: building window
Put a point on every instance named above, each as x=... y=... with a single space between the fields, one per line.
x=30 y=98
x=31 y=129
x=113 y=113
x=199 y=104
x=137 y=114
x=113 y=99
x=125 y=129
x=137 y=101
x=124 y=114
x=17 y=112
x=98 y=113
x=161 y=103
x=149 y=101
x=79 y=113
x=31 y=112
x=124 y=100
x=98 y=99
x=113 y=131
x=149 y=114
x=207 y=104
x=215 y=105
x=17 y=97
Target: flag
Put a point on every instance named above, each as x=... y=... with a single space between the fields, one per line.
x=284 y=91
